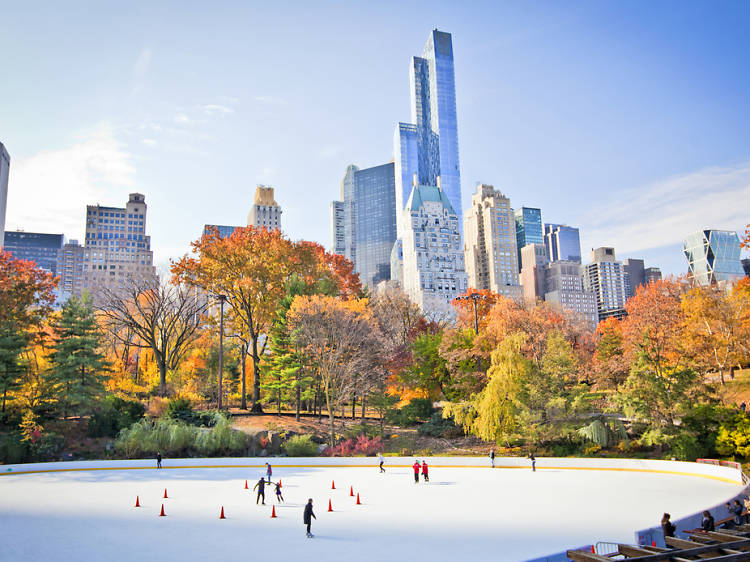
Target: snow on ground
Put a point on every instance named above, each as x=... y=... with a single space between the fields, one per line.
x=464 y=512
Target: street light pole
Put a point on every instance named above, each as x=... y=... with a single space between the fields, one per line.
x=222 y=300
x=473 y=297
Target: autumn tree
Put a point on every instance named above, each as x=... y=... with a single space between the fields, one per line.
x=26 y=298
x=341 y=340
x=164 y=318
x=610 y=364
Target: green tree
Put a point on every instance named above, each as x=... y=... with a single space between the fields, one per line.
x=13 y=342
x=77 y=366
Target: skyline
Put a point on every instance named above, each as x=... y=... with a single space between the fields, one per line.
x=551 y=106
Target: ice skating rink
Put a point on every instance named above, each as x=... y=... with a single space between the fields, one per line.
x=468 y=512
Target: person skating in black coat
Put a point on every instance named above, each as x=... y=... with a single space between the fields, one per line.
x=261 y=486
x=158 y=459
x=308 y=516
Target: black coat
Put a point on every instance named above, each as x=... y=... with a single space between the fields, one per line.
x=708 y=523
x=308 y=514
x=669 y=528
x=261 y=485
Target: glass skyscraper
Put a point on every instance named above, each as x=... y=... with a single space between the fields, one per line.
x=713 y=256
x=42 y=249
x=428 y=147
x=562 y=242
x=528 y=228
x=364 y=224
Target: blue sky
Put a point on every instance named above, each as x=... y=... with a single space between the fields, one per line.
x=630 y=120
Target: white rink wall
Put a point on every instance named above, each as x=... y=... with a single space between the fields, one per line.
x=700 y=470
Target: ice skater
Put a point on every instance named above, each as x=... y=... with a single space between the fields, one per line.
x=667 y=526
x=158 y=459
x=416 y=466
x=381 y=461
x=532 y=458
x=261 y=486
x=269 y=472
x=425 y=474
x=279 y=497
x=492 y=459
x=308 y=517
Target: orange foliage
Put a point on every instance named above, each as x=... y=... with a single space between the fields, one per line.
x=26 y=291
x=465 y=308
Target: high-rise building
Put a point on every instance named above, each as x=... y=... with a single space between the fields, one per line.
x=562 y=242
x=71 y=269
x=428 y=146
x=605 y=277
x=4 y=173
x=223 y=230
x=713 y=256
x=490 y=243
x=265 y=212
x=117 y=249
x=564 y=288
x=42 y=249
x=746 y=267
x=533 y=273
x=433 y=260
x=363 y=224
x=636 y=275
x=528 y=229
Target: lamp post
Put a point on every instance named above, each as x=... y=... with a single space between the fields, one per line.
x=473 y=297
x=222 y=300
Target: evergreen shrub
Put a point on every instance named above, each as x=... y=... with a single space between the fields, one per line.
x=300 y=446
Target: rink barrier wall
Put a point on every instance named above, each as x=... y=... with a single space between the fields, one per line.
x=726 y=474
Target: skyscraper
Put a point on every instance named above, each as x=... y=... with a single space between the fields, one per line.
x=4 y=173
x=433 y=260
x=562 y=242
x=117 y=248
x=265 y=212
x=713 y=256
x=636 y=275
x=43 y=249
x=71 y=269
x=363 y=224
x=605 y=277
x=428 y=146
x=490 y=243
x=528 y=228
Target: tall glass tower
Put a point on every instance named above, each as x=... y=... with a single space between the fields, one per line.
x=713 y=256
x=528 y=228
x=428 y=146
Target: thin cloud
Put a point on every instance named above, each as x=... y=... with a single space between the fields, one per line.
x=181 y=119
x=53 y=187
x=664 y=212
x=140 y=69
x=270 y=100
x=149 y=142
x=213 y=108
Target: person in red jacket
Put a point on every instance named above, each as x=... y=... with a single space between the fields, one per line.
x=425 y=475
x=416 y=468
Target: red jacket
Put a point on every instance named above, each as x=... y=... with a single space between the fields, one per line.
x=424 y=468
x=416 y=467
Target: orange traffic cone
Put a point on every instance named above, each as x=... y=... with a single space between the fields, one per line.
x=333 y=485
x=273 y=511
x=165 y=493
x=221 y=516
x=246 y=488
x=329 y=506
x=593 y=550
x=653 y=543
x=137 y=503
x=358 y=502
x=351 y=491
x=279 y=482
x=162 y=514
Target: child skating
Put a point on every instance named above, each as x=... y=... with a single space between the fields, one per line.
x=380 y=459
x=279 y=497
x=416 y=466
x=269 y=472
x=425 y=474
x=532 y=458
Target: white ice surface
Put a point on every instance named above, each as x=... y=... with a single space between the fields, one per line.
x=464 y=513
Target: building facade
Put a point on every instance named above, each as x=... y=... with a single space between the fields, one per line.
x=117 y=250
x=528 y=229
x=490 y=243
x=713 y=256
x=605 y=277
x=433 y=260
x=363 y=223
x=565 y=289
x=71 y=269
x=223 y=230
x=42 y=249
x=4 y=173
x=265 y=212
x=562 y=242
x=428 y=146
x=636 y=274
x=533 y=273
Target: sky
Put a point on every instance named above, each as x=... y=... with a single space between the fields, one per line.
x=629 y=120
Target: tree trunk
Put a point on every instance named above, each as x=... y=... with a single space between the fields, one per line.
x=354 y=406
x=363 y=409
x=243 y=357
x=257 y=408
x=331 y=417
x=297 y=401
x=162 y=378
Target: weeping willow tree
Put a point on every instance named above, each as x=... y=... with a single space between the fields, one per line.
x=603 y=432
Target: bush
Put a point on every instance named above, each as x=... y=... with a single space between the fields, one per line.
x=363 y=445
x=116 y=414
x=181 y=409
x=417 y=410
x=438 y=426
x=354 y=431
x=300 y=446
x=14 y=450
